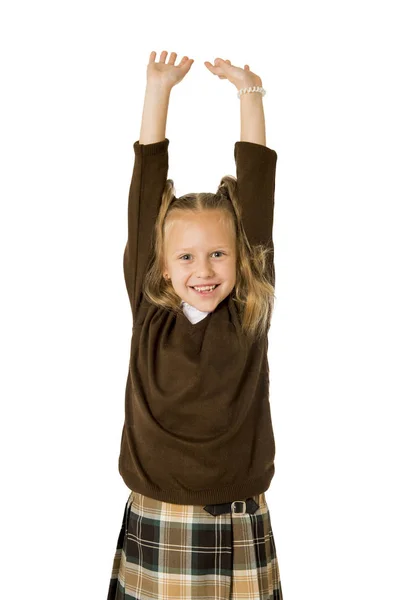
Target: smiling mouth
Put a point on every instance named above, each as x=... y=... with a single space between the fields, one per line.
x=206 y=292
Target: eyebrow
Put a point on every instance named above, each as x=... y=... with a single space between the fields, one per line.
x=219 y=246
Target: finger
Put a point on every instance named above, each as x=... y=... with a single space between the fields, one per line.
x=188 y=63
x=163 y=56
x=218 y=62
x=222 y=66
x=210 y=67
x=214 y=70
x=172 y=58
x=152 y=56
x=183 y=61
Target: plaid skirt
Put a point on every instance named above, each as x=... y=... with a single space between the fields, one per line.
x=174 y=552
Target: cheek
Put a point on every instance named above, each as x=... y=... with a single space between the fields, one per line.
x=231 y=269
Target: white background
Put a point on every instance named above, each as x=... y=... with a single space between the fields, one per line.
x=73 y=76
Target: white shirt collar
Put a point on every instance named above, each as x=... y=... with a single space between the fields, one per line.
x=193 y=314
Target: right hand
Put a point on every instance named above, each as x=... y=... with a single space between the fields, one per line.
x=236 y=75
x=168 y=75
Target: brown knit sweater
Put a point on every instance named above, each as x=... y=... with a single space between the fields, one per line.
x=197 y=424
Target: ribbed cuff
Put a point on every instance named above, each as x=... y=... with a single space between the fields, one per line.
x=252 y=147
x=151 y=149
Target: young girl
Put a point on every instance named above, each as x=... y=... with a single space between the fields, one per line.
x=197 y=447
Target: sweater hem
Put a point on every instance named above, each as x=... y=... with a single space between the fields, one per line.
x=230 y=493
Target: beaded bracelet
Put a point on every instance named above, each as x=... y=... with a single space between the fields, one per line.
x=255 y=88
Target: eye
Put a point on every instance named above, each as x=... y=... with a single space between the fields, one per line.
x=216 y=252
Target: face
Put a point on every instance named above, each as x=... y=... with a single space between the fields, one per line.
x=199 y=250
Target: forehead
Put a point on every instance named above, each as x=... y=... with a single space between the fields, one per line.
x=207 y=221
x=184 y=231
x=191 y=230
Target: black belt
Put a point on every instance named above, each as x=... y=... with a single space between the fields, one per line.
x=238 y=506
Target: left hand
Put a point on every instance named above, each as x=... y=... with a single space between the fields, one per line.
x=168 y=74
x=239 y=77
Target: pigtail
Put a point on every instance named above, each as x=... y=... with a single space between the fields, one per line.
x=254 y=289
x=155 y=288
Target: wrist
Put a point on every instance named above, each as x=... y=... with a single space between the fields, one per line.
x=158 y=87
x=252 y=97
x=253 y=82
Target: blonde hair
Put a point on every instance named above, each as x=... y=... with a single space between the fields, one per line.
x=255 y=275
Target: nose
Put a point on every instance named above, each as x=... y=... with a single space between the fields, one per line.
x=205 y=270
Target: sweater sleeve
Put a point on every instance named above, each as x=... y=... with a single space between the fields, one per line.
x=149 y=177
x=255 y=173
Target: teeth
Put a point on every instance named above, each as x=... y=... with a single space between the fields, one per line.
x=205 y=289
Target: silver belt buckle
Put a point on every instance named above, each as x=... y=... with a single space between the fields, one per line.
x=233 y=508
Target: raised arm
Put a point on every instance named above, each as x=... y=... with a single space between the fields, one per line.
x=252 y=120
x=255 y=162
x=255 y=173
x=150 y=170
x=147 y=185
x=162 y=76
x=255 y=170
x=149 y=176
x=155 y=111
